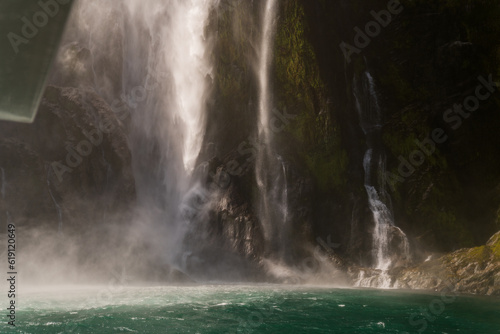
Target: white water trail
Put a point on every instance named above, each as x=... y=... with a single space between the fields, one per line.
x=270 y=168
x=266 y=46
x=189 y=69
x=369 y=111
x=177 y=48
x=265 y=154
x=175 y=114
x=382 y=217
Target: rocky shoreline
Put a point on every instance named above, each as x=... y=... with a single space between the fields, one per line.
x=468 y=270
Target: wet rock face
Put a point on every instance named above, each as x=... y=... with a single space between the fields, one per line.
x=71 y=164
x=224 y=232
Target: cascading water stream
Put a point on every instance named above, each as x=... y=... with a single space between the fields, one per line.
x=176 y=112
x=368 y=107
x=273 y=211
x=268 y=31
x=271 y=169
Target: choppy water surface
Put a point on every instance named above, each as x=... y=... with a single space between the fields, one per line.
x=250 y=309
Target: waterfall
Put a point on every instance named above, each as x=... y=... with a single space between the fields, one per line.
x=265 y=57
x=370 y=115
x=268 y=165
x=272 y=172
x=156 y=66
x=170 y=127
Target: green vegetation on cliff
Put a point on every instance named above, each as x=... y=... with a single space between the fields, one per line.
x=314 y=132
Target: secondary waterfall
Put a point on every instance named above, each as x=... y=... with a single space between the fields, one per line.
x=156 y=65
x=270 y=180
x=370 y=115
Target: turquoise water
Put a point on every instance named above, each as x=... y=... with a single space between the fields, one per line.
x=250 y=309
